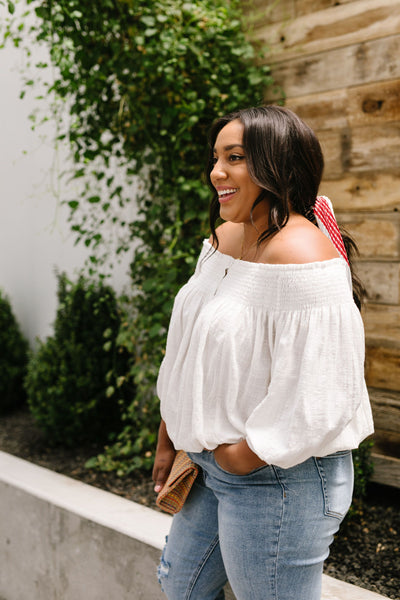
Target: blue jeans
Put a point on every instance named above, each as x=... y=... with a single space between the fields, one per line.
x=267 y=532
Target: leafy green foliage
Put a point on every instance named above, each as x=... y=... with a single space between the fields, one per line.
x=70 y=378
x=13 y=359
x=142 y=81
x=363 y=469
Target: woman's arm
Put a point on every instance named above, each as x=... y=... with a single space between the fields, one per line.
x=165 y=454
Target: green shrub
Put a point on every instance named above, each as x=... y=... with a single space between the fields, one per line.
x=13 y=359
x=74 y=390
x=363 y=469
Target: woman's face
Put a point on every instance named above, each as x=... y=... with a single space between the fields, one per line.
x=230 y=176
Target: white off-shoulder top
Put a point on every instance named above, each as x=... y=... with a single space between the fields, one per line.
x=270 y=353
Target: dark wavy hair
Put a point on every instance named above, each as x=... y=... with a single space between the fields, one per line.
x=285 y=159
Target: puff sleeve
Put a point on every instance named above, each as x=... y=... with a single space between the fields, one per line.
x=316 y=390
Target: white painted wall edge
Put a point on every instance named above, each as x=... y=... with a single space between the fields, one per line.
x=35 y=235
x=122 y=515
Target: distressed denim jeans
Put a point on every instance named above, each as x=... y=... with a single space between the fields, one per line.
x=267 y=532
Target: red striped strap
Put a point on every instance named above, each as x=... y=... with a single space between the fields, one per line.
x=326 y=218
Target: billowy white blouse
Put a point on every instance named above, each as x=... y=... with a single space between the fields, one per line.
x=270 y=353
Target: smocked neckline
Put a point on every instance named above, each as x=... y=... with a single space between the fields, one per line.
x=277 y=266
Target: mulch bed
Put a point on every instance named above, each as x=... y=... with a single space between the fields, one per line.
x=365 y=553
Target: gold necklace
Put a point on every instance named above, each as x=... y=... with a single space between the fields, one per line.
x=242 y=255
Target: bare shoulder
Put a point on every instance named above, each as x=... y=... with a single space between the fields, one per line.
x=229 y=238
x=299 y=242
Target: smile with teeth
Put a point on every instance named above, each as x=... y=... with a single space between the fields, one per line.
x=227 y=192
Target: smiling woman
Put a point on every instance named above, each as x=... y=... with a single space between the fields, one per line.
x=262 y=382
x=237 y=192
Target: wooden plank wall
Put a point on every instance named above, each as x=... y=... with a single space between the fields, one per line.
x=338 y=63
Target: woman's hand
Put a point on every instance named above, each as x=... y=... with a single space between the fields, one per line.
x=162 y=466
x=165 y=455
x=237 y=459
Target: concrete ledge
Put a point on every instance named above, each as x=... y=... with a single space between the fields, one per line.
x=61 y=539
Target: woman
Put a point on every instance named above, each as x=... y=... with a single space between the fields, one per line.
x=262 y=381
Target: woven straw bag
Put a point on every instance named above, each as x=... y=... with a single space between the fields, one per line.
x=178 y=485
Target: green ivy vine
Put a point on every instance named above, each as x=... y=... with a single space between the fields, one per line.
x=141 y=82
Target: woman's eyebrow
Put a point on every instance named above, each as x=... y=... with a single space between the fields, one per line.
x=230 y=147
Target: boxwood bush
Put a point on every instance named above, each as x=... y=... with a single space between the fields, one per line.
x=74 y=389
x=13 y=358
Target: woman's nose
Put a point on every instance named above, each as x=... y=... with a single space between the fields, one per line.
x=218 y=172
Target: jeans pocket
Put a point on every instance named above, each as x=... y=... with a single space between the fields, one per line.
x=336 y=475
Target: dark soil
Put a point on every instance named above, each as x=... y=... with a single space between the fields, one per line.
x=365 y=553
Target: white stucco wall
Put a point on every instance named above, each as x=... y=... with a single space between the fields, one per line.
x=34 y=234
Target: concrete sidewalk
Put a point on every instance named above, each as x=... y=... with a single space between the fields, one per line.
x=61 y=539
